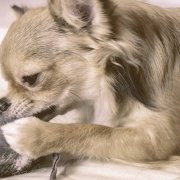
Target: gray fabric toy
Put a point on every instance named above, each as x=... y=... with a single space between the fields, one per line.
x=11 y=163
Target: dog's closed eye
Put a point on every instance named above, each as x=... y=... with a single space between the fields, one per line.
x=31 y=80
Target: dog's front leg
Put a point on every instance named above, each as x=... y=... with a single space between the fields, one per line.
x=34 y=138
x=73 y=116
x=79 y=114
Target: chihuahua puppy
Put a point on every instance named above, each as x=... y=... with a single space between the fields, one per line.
x=109 y=69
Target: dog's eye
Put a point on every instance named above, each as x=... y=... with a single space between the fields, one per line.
x=31 y=80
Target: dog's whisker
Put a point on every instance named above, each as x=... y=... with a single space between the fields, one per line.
x=75 y=95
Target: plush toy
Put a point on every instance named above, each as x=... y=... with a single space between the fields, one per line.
x=12 y=163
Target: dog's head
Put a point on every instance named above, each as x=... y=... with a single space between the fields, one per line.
x=52 y=56
x=44 y=55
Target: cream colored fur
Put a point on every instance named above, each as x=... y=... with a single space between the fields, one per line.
x=110 y=67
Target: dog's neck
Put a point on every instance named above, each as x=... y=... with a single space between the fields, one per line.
x=97 y=93
x=104 y=104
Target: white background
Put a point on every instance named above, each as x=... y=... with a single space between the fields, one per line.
x=7 y=16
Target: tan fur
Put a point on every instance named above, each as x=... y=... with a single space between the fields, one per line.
x=117 y=67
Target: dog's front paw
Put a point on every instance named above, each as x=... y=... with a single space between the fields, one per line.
x=24 y=136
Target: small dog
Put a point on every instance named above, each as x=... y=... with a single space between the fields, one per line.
x=109 y=69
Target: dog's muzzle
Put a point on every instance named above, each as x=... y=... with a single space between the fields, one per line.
x=46 y=114
x=4 y=105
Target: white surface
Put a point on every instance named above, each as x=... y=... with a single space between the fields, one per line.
x=89 y=170
x=86 y=170
x=166 y=3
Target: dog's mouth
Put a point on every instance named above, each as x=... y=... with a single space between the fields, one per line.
x=46 y=114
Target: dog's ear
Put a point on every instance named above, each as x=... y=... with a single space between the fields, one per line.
x=77 y=13
x=19 y=10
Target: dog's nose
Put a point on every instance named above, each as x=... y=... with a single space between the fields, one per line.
x=4 y=104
